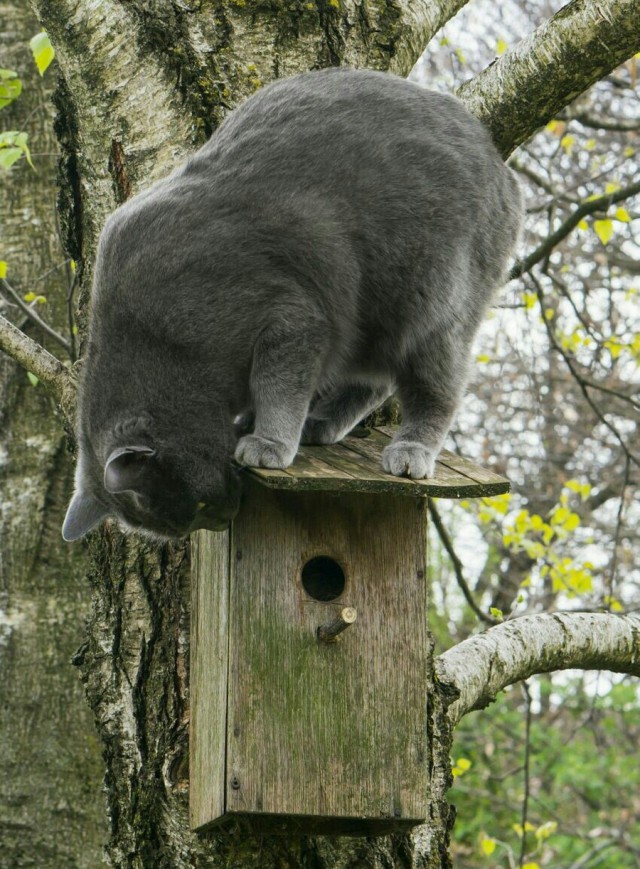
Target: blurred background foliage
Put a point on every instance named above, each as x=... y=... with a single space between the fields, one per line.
x=554 y=405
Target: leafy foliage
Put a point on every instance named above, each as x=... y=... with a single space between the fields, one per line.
x=13 y=143
x=584 y=791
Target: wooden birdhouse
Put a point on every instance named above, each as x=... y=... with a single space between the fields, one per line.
x=309 y=645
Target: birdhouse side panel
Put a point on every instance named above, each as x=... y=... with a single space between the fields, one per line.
x=209 y=672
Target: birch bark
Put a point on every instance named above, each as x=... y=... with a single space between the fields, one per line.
x=50 y=759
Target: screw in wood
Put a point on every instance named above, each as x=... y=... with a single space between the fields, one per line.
x=329 y=633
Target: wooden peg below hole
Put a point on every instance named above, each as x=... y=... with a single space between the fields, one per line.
x=329 y=633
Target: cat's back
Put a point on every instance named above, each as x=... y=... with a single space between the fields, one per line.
x=337 y=123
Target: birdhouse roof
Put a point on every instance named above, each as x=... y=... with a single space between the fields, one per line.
x=354 y=465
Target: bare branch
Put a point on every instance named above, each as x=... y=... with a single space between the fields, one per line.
x=529 y=84
x=485 y=664
x=580 y=380
x=602 y=203
x=29 y=312
x=457 y=564
x=419 y=23
x=600 y=122
x=34 y=358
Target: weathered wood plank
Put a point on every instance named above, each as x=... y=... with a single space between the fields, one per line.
x=372 y=447
x=466 y=466
x=208 y=675
x=311 y=464
x=354 y=465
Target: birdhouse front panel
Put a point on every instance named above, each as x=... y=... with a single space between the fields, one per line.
x=333 y=729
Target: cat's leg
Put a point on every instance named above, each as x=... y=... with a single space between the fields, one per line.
x=287 y=360
x=332 y=417
x=429 y=389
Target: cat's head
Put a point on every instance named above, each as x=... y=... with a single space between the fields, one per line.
x=149 y=486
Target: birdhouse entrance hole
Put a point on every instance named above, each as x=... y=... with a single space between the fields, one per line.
x=323 y=578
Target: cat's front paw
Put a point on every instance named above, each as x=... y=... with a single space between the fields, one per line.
x=409 y=459
x=258 y=452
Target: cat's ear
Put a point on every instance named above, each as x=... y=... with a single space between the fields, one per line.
x=83 y=514
x=127 y=469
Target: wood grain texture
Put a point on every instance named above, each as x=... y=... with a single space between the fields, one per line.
x=355 y=465
x=333 y=730
x=209 y=669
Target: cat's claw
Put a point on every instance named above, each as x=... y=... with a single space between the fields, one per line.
x=409 y=459
x=257 y=452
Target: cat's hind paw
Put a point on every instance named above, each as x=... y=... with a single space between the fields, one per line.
x=257 y=452
x=321 y=431
x=409 y=459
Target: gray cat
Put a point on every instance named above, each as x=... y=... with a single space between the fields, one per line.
x=337 y=240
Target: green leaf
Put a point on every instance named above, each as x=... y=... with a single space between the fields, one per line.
x=547 y=829
x=33 y=380
x=3 y=269
x=603 y=229
x=43 y=52
x=460 y=766
x=487 y=845
x=10 y=87
x=15 y=143
x=496 y=613
x=31 y=297
x=9 y=156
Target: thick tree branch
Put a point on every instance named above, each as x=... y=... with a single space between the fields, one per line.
x=34 y=358
x=540 y=75
x=483 y=665
x=419 y=24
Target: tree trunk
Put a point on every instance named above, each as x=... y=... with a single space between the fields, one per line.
x=50 y=763
x=140 y=90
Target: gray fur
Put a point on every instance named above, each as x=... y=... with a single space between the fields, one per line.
x=336 y=240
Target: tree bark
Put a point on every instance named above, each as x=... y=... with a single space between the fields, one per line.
x=480 y=667
x=540 y=75
x=51 y=805
x=140 y=91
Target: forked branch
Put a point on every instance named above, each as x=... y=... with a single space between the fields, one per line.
x=34 y=358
